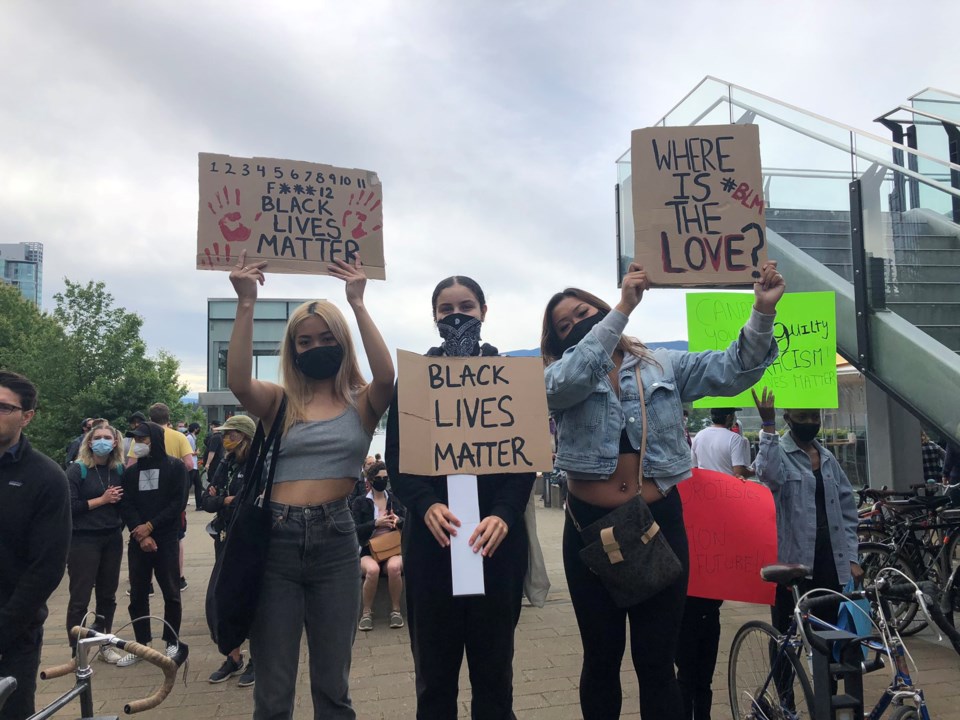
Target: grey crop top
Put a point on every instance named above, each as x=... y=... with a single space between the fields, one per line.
x=319 y=449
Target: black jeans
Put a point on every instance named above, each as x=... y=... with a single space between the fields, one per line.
x=194 y=480
x=94 y=562
x=165 y=566
x=697 y=655
x=443 y=627
x=22 y=661
x=654 y=623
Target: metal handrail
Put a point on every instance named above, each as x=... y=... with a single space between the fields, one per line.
x=820 y=138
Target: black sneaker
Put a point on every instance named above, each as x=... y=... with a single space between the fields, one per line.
x=249 y=677
x=183 y=584
x=229 y=668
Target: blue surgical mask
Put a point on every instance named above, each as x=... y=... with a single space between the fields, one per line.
x=102 y=446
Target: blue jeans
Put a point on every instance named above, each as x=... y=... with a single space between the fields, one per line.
x=312 y=580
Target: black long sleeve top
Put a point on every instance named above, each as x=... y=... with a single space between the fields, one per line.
x=89 y=486
x=34 y=538
x=154 y=490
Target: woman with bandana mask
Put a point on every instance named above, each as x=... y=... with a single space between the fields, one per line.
x=314 y=560
x=377 y=513
x=443 y=626
x=96 y=547
x=592 y=391
x=816 y=509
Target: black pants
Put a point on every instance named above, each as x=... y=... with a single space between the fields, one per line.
x=194 y=480
x=165 y=566
x=697 y=655
x=442 y=627
x=22 y=661
x=94 y=562
x=654 y=623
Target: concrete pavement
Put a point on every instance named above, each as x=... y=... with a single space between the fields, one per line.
x=546 y=664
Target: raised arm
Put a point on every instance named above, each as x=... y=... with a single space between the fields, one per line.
x=768 y=464
x=259 y=398
x=380 y=390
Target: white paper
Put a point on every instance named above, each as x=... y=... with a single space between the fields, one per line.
x=466 y=565
x=462 y=498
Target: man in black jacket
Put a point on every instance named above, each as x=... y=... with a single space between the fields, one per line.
x=154 y=495
x=34 y=539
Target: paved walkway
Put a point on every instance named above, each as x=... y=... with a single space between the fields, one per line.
x=546 y=665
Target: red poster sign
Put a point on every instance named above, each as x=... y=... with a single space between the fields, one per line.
x=732 y=531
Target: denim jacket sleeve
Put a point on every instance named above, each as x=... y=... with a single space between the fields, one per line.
x=573 y=377
x=727 y=372
x=848 y=508
x=768 y=464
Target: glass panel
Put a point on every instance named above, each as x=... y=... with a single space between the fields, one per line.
x=267 y=367
x=222 y=309
x=704 y=97
x=270 y=310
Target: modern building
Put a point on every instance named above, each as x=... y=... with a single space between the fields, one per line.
x=269 y=320
x=21 y=265
x=877 y=223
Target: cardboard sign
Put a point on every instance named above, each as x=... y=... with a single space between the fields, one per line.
x=299 y=216
x=472 y=415
x=698 y=207
x=804 y=375
x=732 y=532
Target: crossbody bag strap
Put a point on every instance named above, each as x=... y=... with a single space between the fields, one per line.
x=643 y=418
x=275 y=432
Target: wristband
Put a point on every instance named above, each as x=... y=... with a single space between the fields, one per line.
x=768 y=424
x=149 y=526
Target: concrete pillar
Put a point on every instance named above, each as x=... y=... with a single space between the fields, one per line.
x=893 y=442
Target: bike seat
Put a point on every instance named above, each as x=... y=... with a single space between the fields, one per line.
x=7 y=686
x=785 y=574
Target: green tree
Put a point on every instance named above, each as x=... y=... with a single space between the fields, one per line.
x=87 y=359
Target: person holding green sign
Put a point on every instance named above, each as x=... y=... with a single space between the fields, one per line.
x=594 y=376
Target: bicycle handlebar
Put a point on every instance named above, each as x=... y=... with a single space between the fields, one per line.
x=168 y=665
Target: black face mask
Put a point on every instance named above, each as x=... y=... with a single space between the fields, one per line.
x=320 y=363
x=805 y=432
x=379 y=484
x=579 y=331
x=461 y=334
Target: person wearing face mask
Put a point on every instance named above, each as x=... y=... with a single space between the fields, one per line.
x=376 y=513
x=96 y=546
x=153 y=498
x=237 y=433
x=816 y=508
x=441 y=626
x=314 y=558
x=591 y=376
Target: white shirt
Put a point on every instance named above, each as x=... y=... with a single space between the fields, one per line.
x=719 y=449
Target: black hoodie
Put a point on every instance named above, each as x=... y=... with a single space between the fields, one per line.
x=153 y=489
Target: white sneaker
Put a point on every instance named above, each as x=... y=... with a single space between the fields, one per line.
x=128 y=660
x=172 y=649
x=110 y=655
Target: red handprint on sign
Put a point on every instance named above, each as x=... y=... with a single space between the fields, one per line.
x=215 y=258
x=360 y=206
x=231 y=219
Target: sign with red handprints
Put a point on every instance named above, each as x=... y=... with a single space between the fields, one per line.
x=298 y=216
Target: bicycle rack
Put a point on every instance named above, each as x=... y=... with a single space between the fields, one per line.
x=827 y=675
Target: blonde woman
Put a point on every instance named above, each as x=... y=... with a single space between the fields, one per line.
x=313 y=566
x=96 y=546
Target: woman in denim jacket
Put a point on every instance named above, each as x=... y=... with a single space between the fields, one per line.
x=816 y=511
x=592 y=391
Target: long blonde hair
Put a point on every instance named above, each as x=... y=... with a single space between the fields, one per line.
x=86 y=455
x=348 y=381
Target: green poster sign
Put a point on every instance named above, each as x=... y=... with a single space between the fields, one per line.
x=804 y=375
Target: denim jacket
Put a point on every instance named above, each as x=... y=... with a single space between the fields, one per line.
x=590 y=416
x=787 y=471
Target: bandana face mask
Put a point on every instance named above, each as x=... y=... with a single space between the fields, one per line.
x=461 y=334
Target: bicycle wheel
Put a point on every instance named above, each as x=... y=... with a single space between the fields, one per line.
x=873 y=557
x=906 y=712
x=765 y=683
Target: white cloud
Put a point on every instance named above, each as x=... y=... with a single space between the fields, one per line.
x=494 y=128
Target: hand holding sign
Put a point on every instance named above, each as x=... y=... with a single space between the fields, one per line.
x=441 y=523
x=769 y=288
x=489 y=534
x=353 y=276
x=635 y=283
x=245 y=278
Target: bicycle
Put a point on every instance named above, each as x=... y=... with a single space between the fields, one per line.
x=88 y=640
x=767 y=679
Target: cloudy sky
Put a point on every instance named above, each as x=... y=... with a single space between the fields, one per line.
x=493 y=126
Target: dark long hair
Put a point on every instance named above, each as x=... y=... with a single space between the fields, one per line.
x=469 y=283
x=550 y=346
